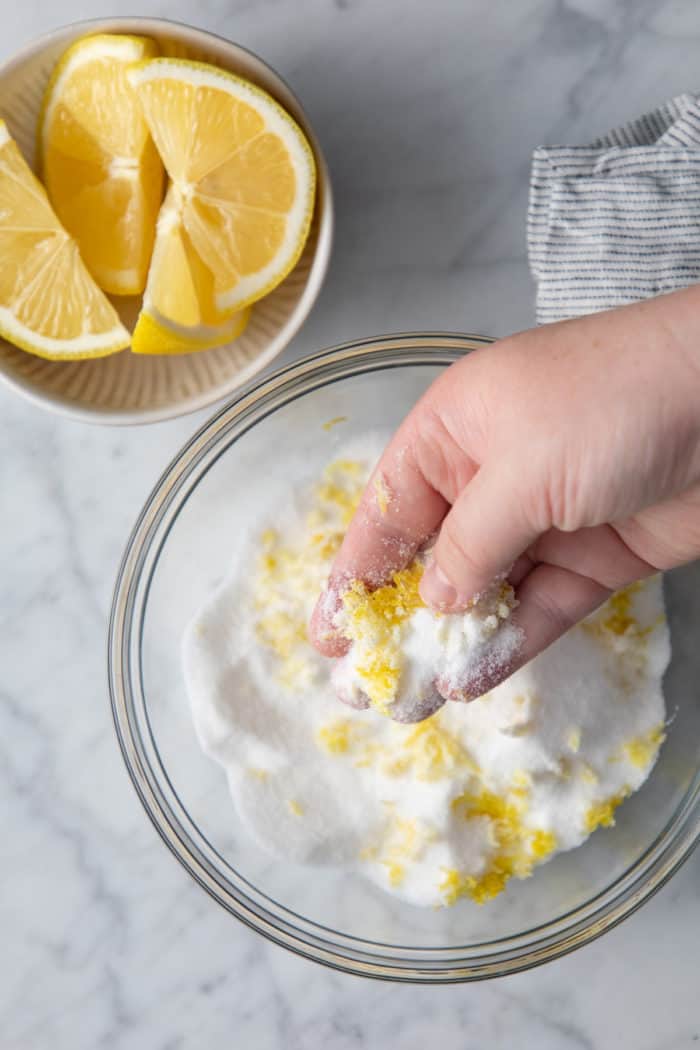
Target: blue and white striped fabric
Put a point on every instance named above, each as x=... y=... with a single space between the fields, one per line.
x=618 y=220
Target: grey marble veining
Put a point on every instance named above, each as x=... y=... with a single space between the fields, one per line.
x=428 y=113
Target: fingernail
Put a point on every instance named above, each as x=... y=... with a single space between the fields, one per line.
x=436 y=590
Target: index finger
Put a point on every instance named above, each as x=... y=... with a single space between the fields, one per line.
x=399 y=510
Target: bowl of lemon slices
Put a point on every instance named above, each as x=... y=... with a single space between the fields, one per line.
x=165 y=219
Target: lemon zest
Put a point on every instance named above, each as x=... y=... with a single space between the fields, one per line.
x=330 y=423
x=371 y=619
x=641 y=750
x=602 y=814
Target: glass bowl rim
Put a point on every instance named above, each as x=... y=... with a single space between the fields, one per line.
x=276 y=922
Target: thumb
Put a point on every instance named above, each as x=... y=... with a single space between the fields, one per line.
x=484 y=533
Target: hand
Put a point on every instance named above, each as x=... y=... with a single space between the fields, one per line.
x=566 y=457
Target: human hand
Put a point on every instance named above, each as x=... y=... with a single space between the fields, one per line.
x=566 y=458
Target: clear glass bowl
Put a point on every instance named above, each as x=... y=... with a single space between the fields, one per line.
x=179 y=550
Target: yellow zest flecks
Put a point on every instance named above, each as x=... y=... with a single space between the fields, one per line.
x=484 y=887
x=573 y=739
x=504 y=814
x=289 y=577
x=641 y=750
x=517 y=846
x=295 y=807
x=455 y=884
x=395 y=872
x=587 y=774
x=620 y=631
x=338 y=492
x=427 y=751
x=405 y=832
x=403 y=840
x=521 y=782
x=257 y=773
x=371 y=620
x=616 y=615
x=602 y=814
x=339 y=736
x=330 y=423
x=542 y=844
x=281 y=632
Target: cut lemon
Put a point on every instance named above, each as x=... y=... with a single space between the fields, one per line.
x=49 y=303
x=153 y=337
x=99 y=164
x=243 y=180
x=179 y=313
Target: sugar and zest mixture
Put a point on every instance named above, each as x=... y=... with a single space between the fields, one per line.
x=371 y=620
x=454 y=806
x=289 y=576
x=403 y=654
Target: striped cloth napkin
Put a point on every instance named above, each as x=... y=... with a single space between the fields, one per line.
x=618 y=220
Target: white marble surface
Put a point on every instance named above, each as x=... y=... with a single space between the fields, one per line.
x=428 y=112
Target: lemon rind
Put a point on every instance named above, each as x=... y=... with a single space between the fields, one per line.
x=75 y=56
x=100 y=344
x=176 y=340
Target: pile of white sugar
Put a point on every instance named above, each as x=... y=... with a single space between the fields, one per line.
x=453 y=806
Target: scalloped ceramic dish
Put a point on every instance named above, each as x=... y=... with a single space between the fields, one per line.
x=126 y=388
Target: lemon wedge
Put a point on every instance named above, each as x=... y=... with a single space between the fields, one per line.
x=98 y=161
x=239 y=208
x=185 y=318
x=49 y=303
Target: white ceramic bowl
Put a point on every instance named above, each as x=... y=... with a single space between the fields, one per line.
x=126 y=388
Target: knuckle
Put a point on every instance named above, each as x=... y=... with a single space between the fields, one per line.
x=557 y=618
x=453 y=554
x=438 y=455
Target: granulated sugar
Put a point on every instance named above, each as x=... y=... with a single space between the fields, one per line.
x=456 y=805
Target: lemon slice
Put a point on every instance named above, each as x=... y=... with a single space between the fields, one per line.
x=49 y=303
x=243 y=178
x=99 y=164
x=185 y=318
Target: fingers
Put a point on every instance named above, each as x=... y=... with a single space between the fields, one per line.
x=322 y=633
x=552 y=600
x=560 y=580
x=405 y=708
x=399 y=510
x=481 y=538
x=598 y=552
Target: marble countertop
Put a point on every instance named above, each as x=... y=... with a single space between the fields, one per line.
x=428 y=113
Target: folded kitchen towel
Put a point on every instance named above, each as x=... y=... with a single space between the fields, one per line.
x=618 y=220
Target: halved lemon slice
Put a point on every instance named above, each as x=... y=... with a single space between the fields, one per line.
x=179 y=313
x=49 y=303
x=99 y=164
x=243 y=177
